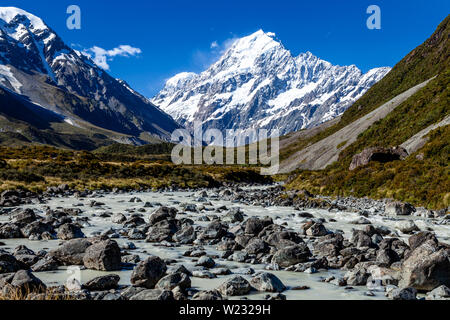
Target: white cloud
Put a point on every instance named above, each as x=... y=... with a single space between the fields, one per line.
x=204 y=58
x=101 y=56
x=214 y=45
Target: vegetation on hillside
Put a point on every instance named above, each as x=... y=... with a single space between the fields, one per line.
x=426 y=61
x=423 y=178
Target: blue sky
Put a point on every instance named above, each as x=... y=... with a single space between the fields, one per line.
x=176 y=35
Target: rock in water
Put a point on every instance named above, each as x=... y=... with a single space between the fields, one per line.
x=292 y=255
x=396 y=208
x=147 y=273
x=103 y=283
x=174 y=280
x=403 y=294
x=103 y=256
x=267 y=282
x=236 y=286
x=426 y=268
x=71 y=252
x=69 y=231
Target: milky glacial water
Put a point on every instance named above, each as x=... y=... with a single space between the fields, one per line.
x=281 y=215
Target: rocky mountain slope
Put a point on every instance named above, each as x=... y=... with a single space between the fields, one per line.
x=258 y=83
x=407 y=112
x=37 y=64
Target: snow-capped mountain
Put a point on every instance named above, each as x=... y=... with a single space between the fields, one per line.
x=257 y=83
x=36 y=63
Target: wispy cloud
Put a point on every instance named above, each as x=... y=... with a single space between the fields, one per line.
x=204 y=58
x=101 y=57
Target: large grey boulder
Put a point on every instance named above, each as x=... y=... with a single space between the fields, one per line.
x=426 y=268
x=147 y=273
x=378 y=154
x=10 y=231
x=69 y=231
x=292 y=255
x=71 y=252
x=8 y=263
x=102 y=283
x=162 y=214
x=186 y=235
x=25 y=282
x=236 y=286
x=174 y=280
x=103 y=256
x=396 y=208
x=153 y=294
x=267 y=282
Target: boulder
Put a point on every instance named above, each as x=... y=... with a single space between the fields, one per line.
x=215 y=230
x=402 y=294
x=174 y=280
x=71 y=252
x=103 y=256
x=206 y=262
x=103 y=283
x=267 y=282
x=420 y=238
x=69 y=231
x=186 y=235
x=426 y=268
x=396 y=208
x=153 y=294
x=24 y=217
x=212 y=295
x=406 y=226
x=235 y=286
x=8 y=263
x=440 y=293
x=45 y=264
x=162 y=231
x=378 y=154
x=25 y=282
x=256 y=246
x=118 y=218
x=10 y=231
x=254 y=225
x=317 y=230
x=147 y=273
x=36 y=228
x=162 y=214
x=292 y=255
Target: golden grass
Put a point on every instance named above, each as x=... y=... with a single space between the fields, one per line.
x=22 y=295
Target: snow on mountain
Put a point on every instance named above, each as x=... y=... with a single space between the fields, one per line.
x=35 y=62
x=257 y=83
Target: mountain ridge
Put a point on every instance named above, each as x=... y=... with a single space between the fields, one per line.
x=258 y=83
x=35 y=62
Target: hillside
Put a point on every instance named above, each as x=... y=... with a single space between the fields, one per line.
x=39 y=66
x=418 y=121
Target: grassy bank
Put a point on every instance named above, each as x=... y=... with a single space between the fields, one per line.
x=37 y=168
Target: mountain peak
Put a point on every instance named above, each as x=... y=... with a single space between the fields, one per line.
x=258 y=83
x=8 y=14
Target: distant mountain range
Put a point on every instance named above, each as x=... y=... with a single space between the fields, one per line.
x=44 y=73
x=258 y=83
